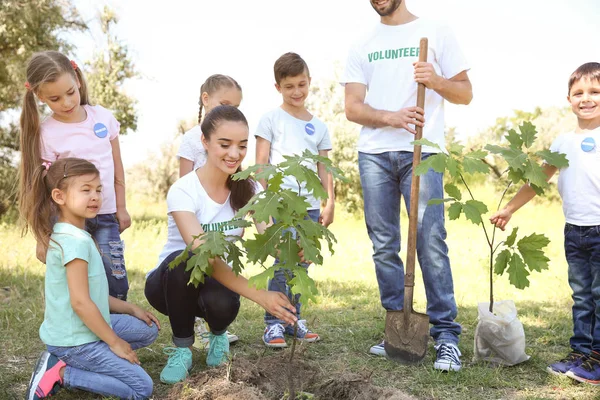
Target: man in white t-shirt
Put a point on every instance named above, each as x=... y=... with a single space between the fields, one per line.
x=380 y=81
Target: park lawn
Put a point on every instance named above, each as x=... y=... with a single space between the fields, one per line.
x=348 y=314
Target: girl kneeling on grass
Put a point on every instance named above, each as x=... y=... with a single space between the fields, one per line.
x=88 y=348
x=207 y=199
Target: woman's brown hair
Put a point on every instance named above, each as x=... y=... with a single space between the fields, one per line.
x=241 y=190
x=43 y=67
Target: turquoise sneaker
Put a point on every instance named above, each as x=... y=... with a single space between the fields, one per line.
x=178 y=366
x=218 y=350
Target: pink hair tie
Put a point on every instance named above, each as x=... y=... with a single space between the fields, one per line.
x=74 y=64
x=27 y=86
x=46 y=164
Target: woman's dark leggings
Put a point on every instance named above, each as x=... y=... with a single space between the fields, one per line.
x=168 y=291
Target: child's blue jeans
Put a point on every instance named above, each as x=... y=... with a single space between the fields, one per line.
x=582 y=249
x=93 y=367
x=278 y=283
x=105 y=230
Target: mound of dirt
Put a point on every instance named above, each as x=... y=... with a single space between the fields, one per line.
x=268 y=378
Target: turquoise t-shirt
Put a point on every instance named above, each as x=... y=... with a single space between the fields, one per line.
x=62 y=326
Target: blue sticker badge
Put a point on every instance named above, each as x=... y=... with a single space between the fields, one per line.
x=100 y=130
x=588 y=144
x=310 y=129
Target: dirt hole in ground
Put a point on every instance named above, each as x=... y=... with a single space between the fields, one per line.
x=268 y=378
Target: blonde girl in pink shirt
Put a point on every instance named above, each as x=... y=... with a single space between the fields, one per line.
x=75 y=129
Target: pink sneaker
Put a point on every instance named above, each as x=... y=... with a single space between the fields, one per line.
x=45 y=380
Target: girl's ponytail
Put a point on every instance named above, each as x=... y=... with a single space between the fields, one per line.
x=83 y=89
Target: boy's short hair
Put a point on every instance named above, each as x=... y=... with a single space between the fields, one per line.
x=589 y=71
x=289 y=64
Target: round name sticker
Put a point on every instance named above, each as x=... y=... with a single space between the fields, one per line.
x=100 y=130
x=588 y=144
x=310 y=129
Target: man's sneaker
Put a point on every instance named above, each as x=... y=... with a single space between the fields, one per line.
x=447 y=357
x=273 y=336
x=572 y=360
x=45 y=380
x=378 y=349
x=178 y=366
x=302 y=332
x=588 y=371
x=218 y=350
x=202 y=335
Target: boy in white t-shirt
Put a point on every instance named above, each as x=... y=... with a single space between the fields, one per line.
x=380 y=81
x=289 y=130
x=579 y=187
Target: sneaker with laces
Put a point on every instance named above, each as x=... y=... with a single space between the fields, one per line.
x=178 y=365
x=273 y=336
x=202 y=335
x=45 y=380
x=378 y=349
x=588 y=371
x=302 y=332
x=572 y=360
x=447 y=357
x=218 y=350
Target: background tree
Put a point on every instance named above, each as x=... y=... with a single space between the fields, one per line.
x=108 y=71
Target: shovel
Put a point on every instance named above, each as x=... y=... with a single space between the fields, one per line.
x=407 y=331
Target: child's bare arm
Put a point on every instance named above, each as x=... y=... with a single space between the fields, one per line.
x=326 y=178
x=523 y=196
x=122 y=214
x=263 y=150
x=185 y=166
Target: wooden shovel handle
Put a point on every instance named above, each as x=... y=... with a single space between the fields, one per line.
x=409 y=278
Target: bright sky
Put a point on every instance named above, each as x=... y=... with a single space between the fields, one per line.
x=521 y=52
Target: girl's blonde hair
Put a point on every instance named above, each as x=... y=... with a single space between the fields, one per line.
x=43 y=67
x=38 y=210
x=213 y=84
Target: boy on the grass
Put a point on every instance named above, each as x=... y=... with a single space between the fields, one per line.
x=579 y=187
x=289 y=130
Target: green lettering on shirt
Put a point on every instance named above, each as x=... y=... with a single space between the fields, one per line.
x=392 y=54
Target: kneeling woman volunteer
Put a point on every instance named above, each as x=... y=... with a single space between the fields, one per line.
x=206 y=199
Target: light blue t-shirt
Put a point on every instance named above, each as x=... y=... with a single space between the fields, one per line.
x=62 y=326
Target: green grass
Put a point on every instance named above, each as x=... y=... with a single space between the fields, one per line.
x=348 y=314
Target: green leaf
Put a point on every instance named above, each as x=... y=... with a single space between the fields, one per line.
x=530 y=248
x=456 y=149
x=514 y=139
x=501 y=262
x=234 y=257
x=274 y=183
x=510 y=240
x=556 y=159
x=425 y=142
x=516 y=176
x=261 y=281
x=535 y=175
x=289 y=250
x=453 y=167
x=303 y=285
x=437 y=162
x=473 y=210
x=454 y=210
x=476 y=154
x=312 y=250
x=453 y=191
x=265 y=244
x=517 y=273
x=474 y=166
x=294 y=203
x=514 y=157
x=267 y=205
x=528 y=133
x=435 y=202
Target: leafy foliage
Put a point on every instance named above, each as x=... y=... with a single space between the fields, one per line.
x=290 y=231
x=517 y=258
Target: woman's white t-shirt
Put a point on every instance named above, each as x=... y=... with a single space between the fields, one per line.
x=188 y=194
x=191 y=147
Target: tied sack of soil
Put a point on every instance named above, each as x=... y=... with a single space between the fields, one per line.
x=499 y=336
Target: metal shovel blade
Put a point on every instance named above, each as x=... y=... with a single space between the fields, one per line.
x=406 y=336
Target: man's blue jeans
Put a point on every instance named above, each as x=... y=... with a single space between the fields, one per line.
x=104 y=228
x=385 y=178
x=582 y=249
x=93 y=367
x=279 y=282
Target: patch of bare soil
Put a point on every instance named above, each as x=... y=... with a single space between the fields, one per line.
x=269 y=378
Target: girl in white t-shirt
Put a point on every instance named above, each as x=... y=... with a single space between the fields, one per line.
x=207 y=199
x=216 y=90
x=75 y=129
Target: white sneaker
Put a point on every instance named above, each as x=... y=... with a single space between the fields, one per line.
x=378 y=349
x=448 y=357
x=202 y=335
